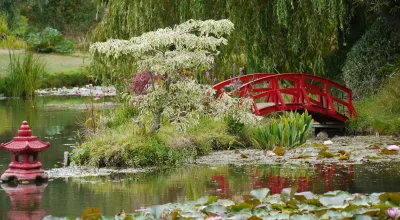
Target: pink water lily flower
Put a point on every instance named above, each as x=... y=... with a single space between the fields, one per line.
x=393 y=147
x=393 y=212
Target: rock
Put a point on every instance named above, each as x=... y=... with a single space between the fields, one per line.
x=322 y=135
x=328 y=142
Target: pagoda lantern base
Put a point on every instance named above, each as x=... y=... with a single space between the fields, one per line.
x=19 y=175
x=25 y=149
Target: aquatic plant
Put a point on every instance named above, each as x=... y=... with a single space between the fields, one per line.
x=25 y=72
x=289 y=131
x=288 y=204
x=393 y=213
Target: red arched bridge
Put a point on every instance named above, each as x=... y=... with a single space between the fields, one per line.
x=325 y=100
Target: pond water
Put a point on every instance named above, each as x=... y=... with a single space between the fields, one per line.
x=70 y=196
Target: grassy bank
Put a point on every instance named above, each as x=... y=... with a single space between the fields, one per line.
x=55 y=63
x=380 y=112
x=22 y=71
x=122 y=143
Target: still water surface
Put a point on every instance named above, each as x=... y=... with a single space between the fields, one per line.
x=70 y=196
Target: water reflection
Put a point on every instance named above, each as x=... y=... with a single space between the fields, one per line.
x=55 y=125
x=25 y=201
x=69 y=197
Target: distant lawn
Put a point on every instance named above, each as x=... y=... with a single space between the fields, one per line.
x=55 y=63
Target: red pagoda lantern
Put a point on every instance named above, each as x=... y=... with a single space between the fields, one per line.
x=25 y=165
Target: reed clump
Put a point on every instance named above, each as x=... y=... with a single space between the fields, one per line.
x=24 y=74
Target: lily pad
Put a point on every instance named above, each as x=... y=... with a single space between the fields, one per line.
x=303 y=217
x=259 y=194
x=304 y=196
x=215 y=209
x=335 y=200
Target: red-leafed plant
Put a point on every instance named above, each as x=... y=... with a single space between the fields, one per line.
x=139 y=83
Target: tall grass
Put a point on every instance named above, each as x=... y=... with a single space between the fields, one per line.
x=23 y=77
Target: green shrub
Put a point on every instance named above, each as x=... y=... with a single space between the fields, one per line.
x=67 y=79
x=289 y=131
x=50 y=40
x=371 y=58
x=380 y=112
x=235 y=127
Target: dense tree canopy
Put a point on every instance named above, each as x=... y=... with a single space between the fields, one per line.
x=270 y=36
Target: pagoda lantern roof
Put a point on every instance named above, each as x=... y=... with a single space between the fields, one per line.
x=25 y=142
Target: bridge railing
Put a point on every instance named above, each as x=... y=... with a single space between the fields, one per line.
x=309 y=91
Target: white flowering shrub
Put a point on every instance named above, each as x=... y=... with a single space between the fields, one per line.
x=182 y=106
x=168 y=50
x=171 y=52
x=237 y=108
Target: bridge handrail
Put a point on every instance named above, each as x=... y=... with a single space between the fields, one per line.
x=244 y=78
x=299 y=76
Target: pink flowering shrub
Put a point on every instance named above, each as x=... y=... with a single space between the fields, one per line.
x=139 y=83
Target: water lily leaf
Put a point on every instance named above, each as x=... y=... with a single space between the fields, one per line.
x=374 y=198
x=156 y=211
x=326 y=154
x=314 y=202
x=385 y=151
x=292 y=204
x=215 y=209
x=362 y=217
x=259 y=194
x=360 y=201
x=278 y=206
x=211 y=199
x=303 y=217
x=307 y=207
x=335 y=215
x=288 y=193
x=304 y=196
x=242 y=206
x=274 y=199
x=91 y=214
x=242 y=214
x=337 y=201
x=280 y=151
x=369 y=212
x=390 y=197
x=192 y=214
x=224 y=202
x=279 y=216
x=244 y=156
x=253 y=217
x=202 y=200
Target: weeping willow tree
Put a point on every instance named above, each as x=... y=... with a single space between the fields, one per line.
x=270 y=35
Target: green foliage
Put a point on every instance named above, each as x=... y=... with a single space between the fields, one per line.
x=270 y=36
x=380 y=112
x=67 y=79
x=289 y=131
x=50 y=40
x=288 y=205
x=12 y=43
x=73 y=18
x=24 y=76
x=235 y=127
x=119 y=142
x=372 y=58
